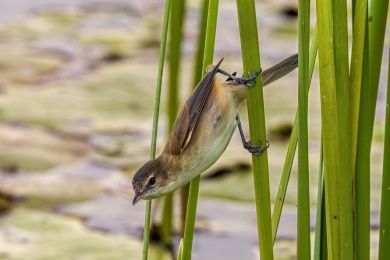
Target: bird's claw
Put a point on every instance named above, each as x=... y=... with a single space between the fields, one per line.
x=255 y=74
x=255 y=149
x=251 y=81
x=250 y=84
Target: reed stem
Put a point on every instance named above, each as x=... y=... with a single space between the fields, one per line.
x=303 y=225
x=176 y=33
x=189 y=229
x=344 y=127
x=251 y=62
x=197 y=77
x=156 y=114
x=329 y=126
x=362 y=168
x=292 y=144
x=320 y=250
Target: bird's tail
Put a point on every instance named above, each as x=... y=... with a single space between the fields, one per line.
x=280 y=70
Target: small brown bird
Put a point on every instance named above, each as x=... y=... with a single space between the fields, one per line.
x=202 y=131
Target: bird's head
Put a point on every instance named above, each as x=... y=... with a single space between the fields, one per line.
x=148 y=180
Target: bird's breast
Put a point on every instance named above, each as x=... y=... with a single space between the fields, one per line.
x=212 y=133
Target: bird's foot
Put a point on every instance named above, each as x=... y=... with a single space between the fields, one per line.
x=255 y=149
x=249 y=81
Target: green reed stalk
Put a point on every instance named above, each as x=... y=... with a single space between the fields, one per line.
x=357 y=58
x=201 y=44
x=303 y=225
x=329 y=125
x=345 y=173
x=292 y=144
x=194 y=185
x=251 y=62
x=359 y=30
x=176 y=32
x=285 y=178
x=384 y=228
x=362 y=168
x=156 y=113
x=377 y=13
x=197 y=77
x=320 y=250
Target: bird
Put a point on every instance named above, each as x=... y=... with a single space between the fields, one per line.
x=203 y=130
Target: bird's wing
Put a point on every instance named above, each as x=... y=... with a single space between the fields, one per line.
x=280 y=70
x=189 y=114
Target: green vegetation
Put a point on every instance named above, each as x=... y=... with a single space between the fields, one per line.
x=320 y=247
x=155 y=120
x=303 y=245
x=347 y=104
x=176 y=35
x=210 y=32
x=251 y=62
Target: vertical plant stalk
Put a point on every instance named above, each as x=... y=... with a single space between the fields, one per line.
x=199 y=56
x=156 y=113
x=359 y=30
x=345 y=173
x=189 y=229
x=251 y=62
x=197 y=77
x=176 y=29
x=384 y=227
x=329 y=125
x=377 y=11
x=356 y=78
x=303 y=225
x=285 y=178
x=292 y=144
x=362 y=168
x=320 y=250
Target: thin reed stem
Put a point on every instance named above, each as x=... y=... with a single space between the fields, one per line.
x=156 y=113
x=373 y=49
x=377 y=13
x=329 y=125
x=359 y=31
x=176 y=35
x=194 y=184
x=292 y=144
x=343 y=97
x=251 y=62
x=303 y=225
x=320 y=250
x=197 y=77
x=362 y=168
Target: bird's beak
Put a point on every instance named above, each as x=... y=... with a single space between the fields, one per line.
x=137 y=197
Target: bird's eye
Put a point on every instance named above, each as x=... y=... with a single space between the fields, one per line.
x=152 y=181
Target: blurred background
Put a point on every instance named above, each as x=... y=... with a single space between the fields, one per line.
x=77 y=83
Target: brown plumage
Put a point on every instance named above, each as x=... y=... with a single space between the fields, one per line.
x=200 y=133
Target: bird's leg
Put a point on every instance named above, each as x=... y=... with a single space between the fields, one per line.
x=247 y=81
x=252 y=148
